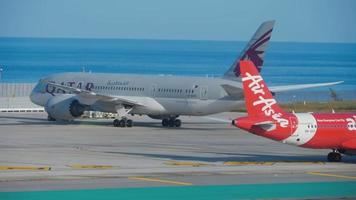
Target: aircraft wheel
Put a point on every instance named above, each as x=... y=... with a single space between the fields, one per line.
x=177 y=123
x=334 y=157
x=171 y=123
x=51 y=119
x=116 y=123
x=122 y=123
x=165 y=122
x=129 y=123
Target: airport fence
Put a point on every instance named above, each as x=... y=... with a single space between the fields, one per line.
x=14 y=97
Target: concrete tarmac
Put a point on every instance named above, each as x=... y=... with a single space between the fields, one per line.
x=90 y=154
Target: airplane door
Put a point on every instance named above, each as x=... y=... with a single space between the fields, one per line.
x=293 y=124
x=153 y=90
x=203 y=92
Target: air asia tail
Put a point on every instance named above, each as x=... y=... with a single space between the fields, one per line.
x=309 y=130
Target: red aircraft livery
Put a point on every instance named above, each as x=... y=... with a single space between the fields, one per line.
x=336 y=131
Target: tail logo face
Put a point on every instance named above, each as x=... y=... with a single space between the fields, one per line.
x=257 y=88
x=253 y=53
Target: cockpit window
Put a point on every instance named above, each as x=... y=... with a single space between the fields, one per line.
x=40 y=87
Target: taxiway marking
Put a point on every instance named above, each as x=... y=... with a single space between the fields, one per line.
x=185 y=164
x=233 y=163
x=331 y=175
x=159 y=180
x=77 y=166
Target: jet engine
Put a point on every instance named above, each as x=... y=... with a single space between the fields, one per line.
x=65 y=107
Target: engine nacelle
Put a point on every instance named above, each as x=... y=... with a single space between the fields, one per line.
x=65 y=107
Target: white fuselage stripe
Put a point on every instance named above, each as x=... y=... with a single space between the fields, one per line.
x=305 y=131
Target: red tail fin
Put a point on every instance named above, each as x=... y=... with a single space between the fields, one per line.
x=258 y=99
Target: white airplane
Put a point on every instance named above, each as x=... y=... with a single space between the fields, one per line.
x=66 y=96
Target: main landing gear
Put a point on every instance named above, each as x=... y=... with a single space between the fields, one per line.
x=334 y=156
x=124 y=122
x=171 y=122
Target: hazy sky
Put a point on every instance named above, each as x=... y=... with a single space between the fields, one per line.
x=296 y=20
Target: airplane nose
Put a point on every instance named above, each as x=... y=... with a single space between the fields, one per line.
x=36 y=98
x=32 y=97
x=37 y=95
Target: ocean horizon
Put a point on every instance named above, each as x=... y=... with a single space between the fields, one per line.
x=29 y=59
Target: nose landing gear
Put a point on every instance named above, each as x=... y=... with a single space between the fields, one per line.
x=50 y=118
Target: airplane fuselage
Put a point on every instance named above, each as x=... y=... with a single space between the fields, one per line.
x=171 y=95
x=308 y=130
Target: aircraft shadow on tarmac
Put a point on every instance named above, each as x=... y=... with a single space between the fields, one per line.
x=242 y=157
x=158 y=125
x=185 y=126
x=106 y=123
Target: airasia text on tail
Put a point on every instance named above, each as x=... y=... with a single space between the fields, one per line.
x=257 y=86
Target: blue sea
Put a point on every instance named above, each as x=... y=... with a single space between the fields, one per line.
x=28 y=59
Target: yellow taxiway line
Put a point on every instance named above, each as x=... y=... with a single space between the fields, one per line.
x=233 y=163
x=159 y=180
x=186 y=164
x=90 y=166
x=331 y=175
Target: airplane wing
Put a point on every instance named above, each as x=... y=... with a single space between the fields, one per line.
x=284 y=88
x=233 y=91
x=97 y=96
x=238 y=93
